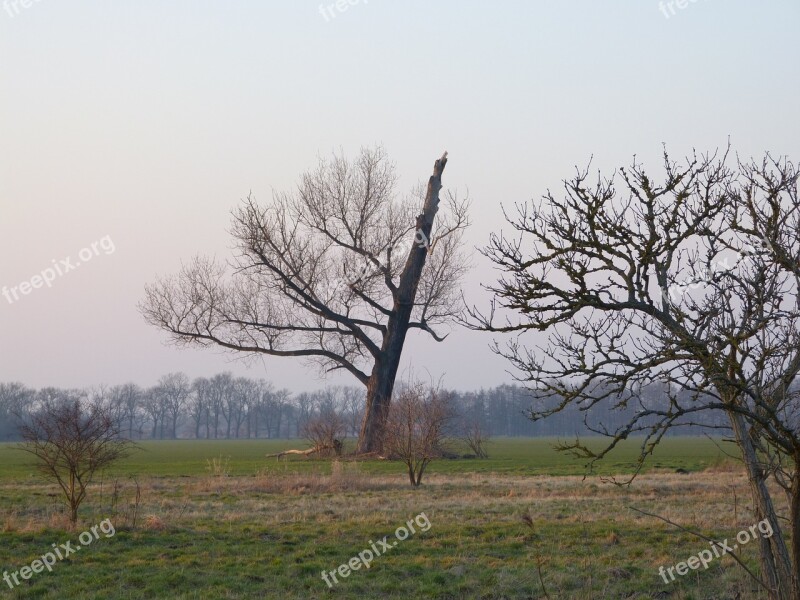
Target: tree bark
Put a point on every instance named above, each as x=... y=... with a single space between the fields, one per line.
x=776 y=567
x=795 y=524
x=384 y=372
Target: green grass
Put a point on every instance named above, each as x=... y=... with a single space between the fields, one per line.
x=518 y=456
x=269 y=528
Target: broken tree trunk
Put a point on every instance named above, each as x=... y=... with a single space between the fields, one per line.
x=336 y=447
x=384 y=372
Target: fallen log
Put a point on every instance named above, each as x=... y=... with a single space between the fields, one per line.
x=308 y=452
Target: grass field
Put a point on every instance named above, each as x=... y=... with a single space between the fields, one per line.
x=215 y=519
x=513 y=456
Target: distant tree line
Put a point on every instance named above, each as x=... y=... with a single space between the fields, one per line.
x=228 y=407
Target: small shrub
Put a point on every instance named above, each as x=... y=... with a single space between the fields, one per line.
x=219 y=466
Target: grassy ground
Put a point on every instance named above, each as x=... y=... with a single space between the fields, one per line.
x=513 y=456
x=217 y=520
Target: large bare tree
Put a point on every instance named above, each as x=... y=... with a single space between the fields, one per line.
x=690 y=283
x=336 y=273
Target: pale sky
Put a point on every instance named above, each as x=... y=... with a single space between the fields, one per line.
x=137 y=126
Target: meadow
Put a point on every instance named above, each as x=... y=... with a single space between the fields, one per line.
x=216 y=519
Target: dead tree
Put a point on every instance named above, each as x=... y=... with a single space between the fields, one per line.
x=336 y=273
x=71 y=443
x=691 y=283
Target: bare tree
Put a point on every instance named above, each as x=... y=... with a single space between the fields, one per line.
x=416 y=428
x=175 y=391
x=248 y=393
x=474 y=435
x=199 y=405
x=15 y=402
x=127 y=398
x=153 y=404
x=230 y=402
x=305 y=409
x=259 y=409
x=279 y=404
x=321 y=274
x=353 y=408
x=220 y=399
x=691 y=284
x=51 y=397
x=71 y=443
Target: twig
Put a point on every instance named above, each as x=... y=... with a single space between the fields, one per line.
x=136 y=504
x=708 y=539
x=528 y=520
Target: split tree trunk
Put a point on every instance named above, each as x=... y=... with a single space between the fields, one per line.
x=776 y=566
x=384 y=373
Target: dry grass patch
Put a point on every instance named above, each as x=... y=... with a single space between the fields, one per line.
x=581 y=531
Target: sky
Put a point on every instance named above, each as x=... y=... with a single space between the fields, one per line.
x=129 y=131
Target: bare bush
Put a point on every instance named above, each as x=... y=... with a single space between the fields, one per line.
x=416 y=428
x=71 y=443
x=325 y=432
x=475 y=437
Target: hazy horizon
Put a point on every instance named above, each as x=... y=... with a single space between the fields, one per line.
x=139 y=127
